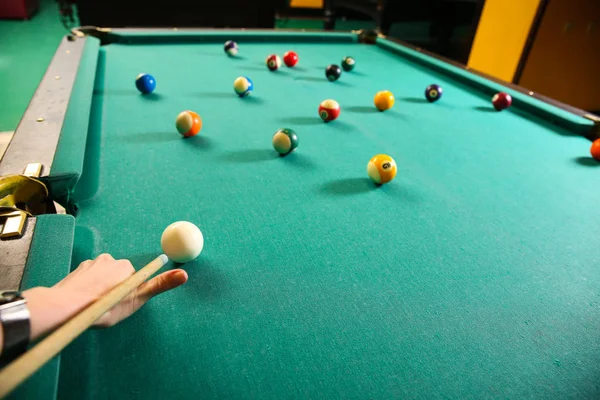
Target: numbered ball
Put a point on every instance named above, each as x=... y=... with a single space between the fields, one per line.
x=231 y=48
x=595 y=149
x=273 y=62
x=333 y=72
x=285 y=141
x=188 y=123
x=145 y=83
x=501 y=101
x=243 y=86
x=348 y=64
x=384 y=100
x=290 y=58
x=329 y=110
x=381 y=169
x=433 y=93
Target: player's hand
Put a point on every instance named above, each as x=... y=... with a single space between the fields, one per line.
x=51 y=307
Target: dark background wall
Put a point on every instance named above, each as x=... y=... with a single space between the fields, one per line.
x=446 y=27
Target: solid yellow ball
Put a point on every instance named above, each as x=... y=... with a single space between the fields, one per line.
x=384 y=100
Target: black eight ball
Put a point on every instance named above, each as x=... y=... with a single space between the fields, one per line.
x=333 y=72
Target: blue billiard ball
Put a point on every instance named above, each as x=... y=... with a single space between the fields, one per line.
x=433 y=93
x=145 y=83
x=243 y=86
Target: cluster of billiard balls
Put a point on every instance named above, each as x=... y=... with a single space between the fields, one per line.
x=183 y=241
x=273 y=61
x=381 y=168
x=334 y=72
x=290 y=59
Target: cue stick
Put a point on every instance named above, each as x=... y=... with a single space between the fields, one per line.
x=28 y=363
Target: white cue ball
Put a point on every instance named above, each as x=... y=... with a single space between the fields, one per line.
x=182 y=241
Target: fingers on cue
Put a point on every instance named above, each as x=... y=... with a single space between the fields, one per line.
x=122 y=269
x=105 y=257
x=160 y=284
x=125 y=267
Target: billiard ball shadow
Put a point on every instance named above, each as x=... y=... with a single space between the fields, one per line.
x=587 y=162
x=362 y=109
x=252 y=100
x=339 y=125
x=311 y=79
x=250 y=156
x=279 y=72
x=295 y=159
x=213 y=54
x=323 y=79
x=153 y=96
x=144 y=96
x=342 y=83
x=199 y=141
x=485 y=108
x=302 y=120
x=393 y=113
x=388 y=113
x=253 y=68
x=205 y=280
x=347 y=187
x=416 y=100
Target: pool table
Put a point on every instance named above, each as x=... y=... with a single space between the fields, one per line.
x=475 y=273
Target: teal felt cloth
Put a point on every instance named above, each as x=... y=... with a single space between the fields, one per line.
x=48 y=262
x=68 y=160
x=473 y=274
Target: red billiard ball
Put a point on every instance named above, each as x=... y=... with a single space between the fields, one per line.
x=273 y=62
x=329 y=110
x=290 y=58
x=501 y=101
x=595 y=149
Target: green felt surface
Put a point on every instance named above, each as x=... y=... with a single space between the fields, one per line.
x=68 y=160
x=48 y=262
x=474 y=274
x=26 y=48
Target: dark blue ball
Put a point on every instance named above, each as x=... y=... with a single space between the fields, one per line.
x=145 y=83
x=231 y=47
x=433 y=93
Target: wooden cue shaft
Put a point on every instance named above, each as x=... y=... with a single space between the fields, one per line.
x=26 y=365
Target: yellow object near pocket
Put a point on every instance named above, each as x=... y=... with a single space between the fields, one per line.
x=306 y=3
